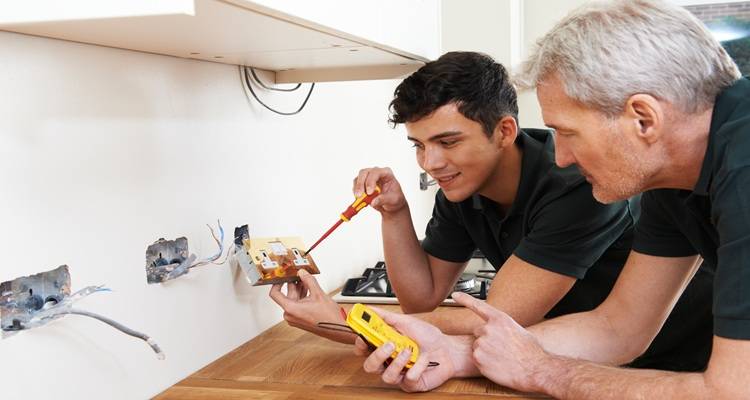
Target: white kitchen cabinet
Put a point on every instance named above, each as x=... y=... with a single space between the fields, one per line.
x=409 y=25
x=324 y=40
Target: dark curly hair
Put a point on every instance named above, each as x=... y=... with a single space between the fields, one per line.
x=478 y=85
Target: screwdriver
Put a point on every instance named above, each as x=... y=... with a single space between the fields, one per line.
x=361 y=202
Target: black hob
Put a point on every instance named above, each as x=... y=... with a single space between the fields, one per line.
x=374 y=283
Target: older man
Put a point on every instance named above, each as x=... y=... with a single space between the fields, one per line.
x=643 y=99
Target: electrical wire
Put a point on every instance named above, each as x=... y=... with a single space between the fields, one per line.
x=249 y=86
x=336 y=327
x=120 y=327
x=53 y=310
x=226 y=256
x=182 y=268
x=219 y=241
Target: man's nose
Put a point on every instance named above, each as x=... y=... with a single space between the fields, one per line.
x=433 y=159
x=563 y=157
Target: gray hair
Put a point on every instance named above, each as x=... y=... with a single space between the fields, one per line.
x=605 y=52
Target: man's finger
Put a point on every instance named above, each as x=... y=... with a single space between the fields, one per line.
x=292 y=293
x=395 y=319
x=415 y=372
x=480 y=330
x=375 y=361
x=278 y=297
x=301 y=290
x=385 y=199
x=373 y=178
x=310 y=283
x=388 y=316
x=480 y=308
x=359 y=184
x=392 y=374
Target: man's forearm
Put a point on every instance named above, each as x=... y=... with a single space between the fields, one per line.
x=453 y=320
x=566 y=378
x=408 y=268
x=588 y=336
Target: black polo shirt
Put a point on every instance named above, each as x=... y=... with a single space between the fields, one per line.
x=554 y=223
x=713 y=219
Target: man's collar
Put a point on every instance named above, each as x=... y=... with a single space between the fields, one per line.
x=532 y=143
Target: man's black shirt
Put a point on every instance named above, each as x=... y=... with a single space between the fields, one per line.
x=556 y=224
x=713 y=219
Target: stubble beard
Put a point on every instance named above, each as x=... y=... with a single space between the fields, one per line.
x=630 y=177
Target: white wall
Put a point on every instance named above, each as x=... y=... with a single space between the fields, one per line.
x=102 y=151
x=492 y=27
x=507 y=30
x=539 y=17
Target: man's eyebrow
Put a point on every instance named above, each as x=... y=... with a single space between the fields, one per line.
x=439 y=136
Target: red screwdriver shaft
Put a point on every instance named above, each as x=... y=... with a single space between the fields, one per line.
x=325 y=235
x=361 y=202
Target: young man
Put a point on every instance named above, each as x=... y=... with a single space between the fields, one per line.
x=557 y=250
x=643 y=98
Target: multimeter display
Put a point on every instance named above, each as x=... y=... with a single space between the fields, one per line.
x=376 y=332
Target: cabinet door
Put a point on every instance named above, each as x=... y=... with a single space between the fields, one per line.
x=37 y=11
x=412 y=26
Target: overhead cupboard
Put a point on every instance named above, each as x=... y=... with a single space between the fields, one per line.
x=299 y=41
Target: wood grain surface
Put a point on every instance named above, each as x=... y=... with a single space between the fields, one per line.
x=288 y=363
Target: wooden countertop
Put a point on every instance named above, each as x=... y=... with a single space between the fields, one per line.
x=288 y=363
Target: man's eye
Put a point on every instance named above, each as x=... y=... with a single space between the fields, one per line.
x=448 y=143
x=417 y=145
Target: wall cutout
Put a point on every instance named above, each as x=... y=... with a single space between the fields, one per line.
x=33 y=301
x=170 y=259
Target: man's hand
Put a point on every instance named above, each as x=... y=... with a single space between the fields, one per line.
x=305 y=304
x=504 y=351
x=391 y=198
x=451 y=353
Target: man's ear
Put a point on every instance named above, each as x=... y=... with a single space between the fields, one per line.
x=647 y=114
x=505 y=132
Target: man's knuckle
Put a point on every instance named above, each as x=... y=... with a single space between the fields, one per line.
x=476 y=355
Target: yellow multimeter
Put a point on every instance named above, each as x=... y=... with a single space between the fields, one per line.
x=376 y=332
